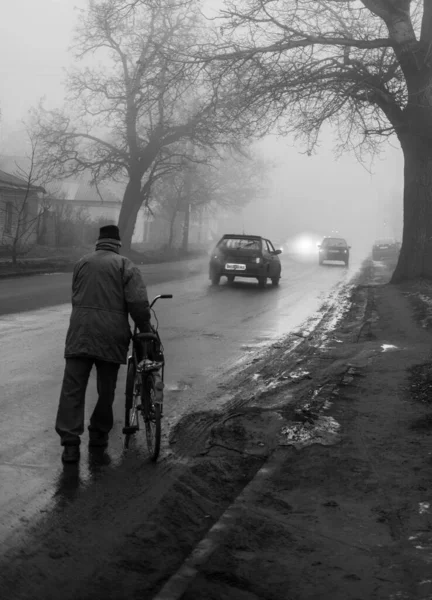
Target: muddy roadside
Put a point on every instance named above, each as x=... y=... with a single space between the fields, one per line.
x=307 y=478
x=343 y=509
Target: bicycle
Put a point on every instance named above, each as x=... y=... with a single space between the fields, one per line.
x=144 y=387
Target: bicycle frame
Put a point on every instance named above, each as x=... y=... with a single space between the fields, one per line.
x=154 y=364
x=149 y=368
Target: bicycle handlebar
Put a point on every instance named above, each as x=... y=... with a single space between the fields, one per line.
x=160 y=296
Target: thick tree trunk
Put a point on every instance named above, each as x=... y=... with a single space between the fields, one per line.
x=129 y=211
x=415 y=259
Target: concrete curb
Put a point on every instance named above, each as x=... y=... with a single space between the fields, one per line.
x=179 y=582
x=42 y=271
x=194 y=267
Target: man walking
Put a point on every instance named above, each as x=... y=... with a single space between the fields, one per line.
x=106 y=288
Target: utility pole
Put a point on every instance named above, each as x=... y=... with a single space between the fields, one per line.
x=186 y=225
x=187 y=195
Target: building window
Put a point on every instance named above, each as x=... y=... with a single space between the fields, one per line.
x=8 y=217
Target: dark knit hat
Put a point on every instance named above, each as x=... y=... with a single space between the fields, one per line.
x=109 y=231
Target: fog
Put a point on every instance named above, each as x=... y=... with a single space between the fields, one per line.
x=317 y=194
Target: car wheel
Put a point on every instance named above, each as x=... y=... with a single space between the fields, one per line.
x=230 y=278
x=215 y=278
x=320 y=261
x=262 y=282
x=347 y=263
x=275 y=281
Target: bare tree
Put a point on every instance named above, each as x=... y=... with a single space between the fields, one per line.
x=138 y=102
x=21 y=207
x=364 y=66
x=171 y=201
x=208 y=184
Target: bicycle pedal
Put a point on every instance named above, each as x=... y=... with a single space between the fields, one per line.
x=129 y=430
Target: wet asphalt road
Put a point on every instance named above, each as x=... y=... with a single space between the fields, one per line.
x=18 y=294
x=207 y=333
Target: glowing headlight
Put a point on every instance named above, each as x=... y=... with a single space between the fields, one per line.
x=258 y=260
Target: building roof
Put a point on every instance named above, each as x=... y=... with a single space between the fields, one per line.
x=73 y=189
x=12 y=182
x=81 y=190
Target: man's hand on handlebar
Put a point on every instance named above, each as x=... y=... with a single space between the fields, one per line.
x=147 y=328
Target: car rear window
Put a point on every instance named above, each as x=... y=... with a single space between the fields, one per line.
x=385 y=242
x=240 y=244
x=335 y=242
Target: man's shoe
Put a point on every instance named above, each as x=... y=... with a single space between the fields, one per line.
x=71 y=454
x=98 y=440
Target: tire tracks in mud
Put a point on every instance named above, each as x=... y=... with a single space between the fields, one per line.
x=134 y=542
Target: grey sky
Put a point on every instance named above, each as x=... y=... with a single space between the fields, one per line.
x=318 y=193
x=34 y=40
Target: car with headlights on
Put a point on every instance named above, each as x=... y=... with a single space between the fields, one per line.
x=385 y=248
x=332 y=248
x=250 y=256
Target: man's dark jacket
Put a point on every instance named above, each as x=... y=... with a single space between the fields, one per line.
x=106 y=287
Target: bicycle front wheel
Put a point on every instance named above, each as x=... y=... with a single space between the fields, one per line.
x=131 y=414
x=152 y=412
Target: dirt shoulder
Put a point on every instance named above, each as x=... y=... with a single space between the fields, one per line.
x=309 y=478
x=343 y=509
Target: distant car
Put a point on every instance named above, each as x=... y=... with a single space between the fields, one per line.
x=245 y=256
x=385 y=248
x=332 y=248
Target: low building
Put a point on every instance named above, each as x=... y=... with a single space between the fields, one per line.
x=74 y=205
x=77 y=200
x=19 y=205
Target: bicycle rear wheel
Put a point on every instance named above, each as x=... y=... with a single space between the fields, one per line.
x=131 y=413
x=152 y=412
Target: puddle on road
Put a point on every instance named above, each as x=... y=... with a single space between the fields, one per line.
x=323 y=431
x=299 y=375
x=180 y=386
x=424 y=507
x=388 y=347
x=252 y=347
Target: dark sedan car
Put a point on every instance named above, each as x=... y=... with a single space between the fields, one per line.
x=383 y=249
x=334 y=249
x=245 y=256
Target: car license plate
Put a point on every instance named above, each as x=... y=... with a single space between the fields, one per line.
x=334 y=251
x=383 y=247
x=235 y=267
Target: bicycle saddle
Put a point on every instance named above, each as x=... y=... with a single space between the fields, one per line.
x=146 y=337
